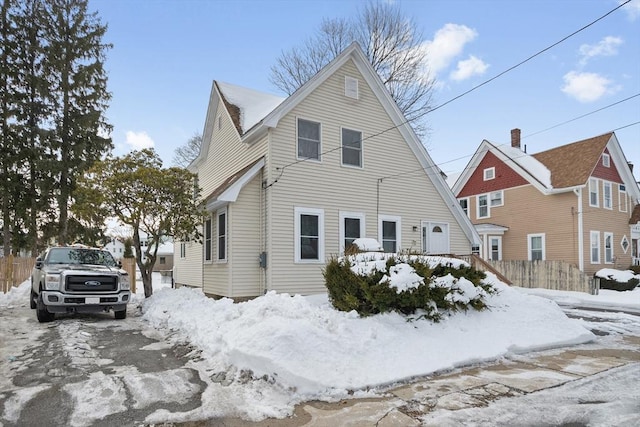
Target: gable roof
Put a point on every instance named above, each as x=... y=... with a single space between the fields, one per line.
x=250 y=131
x=229 y=190
x=559 y=169
x=572 y=164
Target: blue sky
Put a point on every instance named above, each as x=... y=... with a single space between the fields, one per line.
x=167 y=53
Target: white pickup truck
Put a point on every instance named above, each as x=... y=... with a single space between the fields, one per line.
x=78 y=279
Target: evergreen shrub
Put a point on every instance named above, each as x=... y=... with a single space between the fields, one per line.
x=371 y=293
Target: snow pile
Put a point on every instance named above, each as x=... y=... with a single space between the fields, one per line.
x=306 y=347
x=622 y=276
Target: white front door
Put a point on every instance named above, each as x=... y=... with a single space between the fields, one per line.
x=435 y=237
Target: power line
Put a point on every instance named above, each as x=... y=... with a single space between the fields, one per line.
x=580 y=117
x=282 y=169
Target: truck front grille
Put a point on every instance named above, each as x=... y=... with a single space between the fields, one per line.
x=91 y=283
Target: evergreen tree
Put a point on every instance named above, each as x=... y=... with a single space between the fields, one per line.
x=75 y=55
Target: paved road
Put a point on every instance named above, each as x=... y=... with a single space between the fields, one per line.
x=89 y=370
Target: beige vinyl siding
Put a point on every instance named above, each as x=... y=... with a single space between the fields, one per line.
x=188 y=271
x=527 y=211
x=227 y=154
x=606 y=221
x=244 y=245
x=329 y=186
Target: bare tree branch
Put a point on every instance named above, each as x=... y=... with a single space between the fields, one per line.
x=186 y=153
x=390 y=40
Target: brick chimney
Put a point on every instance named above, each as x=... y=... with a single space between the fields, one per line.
x=515 y=138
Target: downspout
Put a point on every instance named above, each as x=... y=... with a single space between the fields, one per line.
x=578 y=192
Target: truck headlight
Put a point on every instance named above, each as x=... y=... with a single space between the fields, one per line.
x=125 y=285
x=52 y=282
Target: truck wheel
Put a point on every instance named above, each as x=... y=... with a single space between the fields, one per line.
x=42 y=313
x=120 y=314
x=32 y=299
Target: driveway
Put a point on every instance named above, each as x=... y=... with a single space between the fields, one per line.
x=89 y=370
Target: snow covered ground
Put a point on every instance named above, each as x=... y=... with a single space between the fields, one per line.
x=262 y=357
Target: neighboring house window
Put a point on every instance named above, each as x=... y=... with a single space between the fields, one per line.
x=606 y=202
x=351 y=228
x=309 y=235
x=496 y=198
x=593 y=192
x=608 y=248
x=163 y=260
x=622 y=198
x=475 y=249
x=351 y=147
x=595 y=247
x=606 y=160
x=389 y=233
x=624 y=243
x=496 y=248
x=536 y=247
x=489 y=174
x=207 y=240
x=464 y=203
x=308 y=139
x=183 y=250
x=222 y=235
x=483 y=207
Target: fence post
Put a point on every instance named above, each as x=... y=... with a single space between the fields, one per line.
x=595 y=285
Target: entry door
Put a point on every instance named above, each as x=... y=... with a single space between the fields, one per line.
x=435 y=238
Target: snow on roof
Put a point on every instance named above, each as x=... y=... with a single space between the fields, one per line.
x=166 y=248
x=528 y=163
x=253 y=105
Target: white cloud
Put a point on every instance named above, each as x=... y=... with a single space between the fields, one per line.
x=587 y=87
x=468 y=68
x=139 y=140
x=632 y=8
x=605 y=47
x=448 y=42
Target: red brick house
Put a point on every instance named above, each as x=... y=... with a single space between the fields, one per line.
x=576 y=203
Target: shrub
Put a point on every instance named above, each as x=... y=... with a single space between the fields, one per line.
x=635 y=269
x=372 y=293
x=615 y=285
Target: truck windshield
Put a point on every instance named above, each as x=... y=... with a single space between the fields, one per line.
x=80 y=256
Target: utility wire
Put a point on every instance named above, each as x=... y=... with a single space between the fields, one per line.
x=281 y=169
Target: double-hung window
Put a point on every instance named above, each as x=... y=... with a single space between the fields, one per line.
x=222 y=235
x=536 y=247
x=207 y=239
x=308 y=140
x=351 y=148
x=606 y=196
x=464 y=204
x=389 y=233
x=483 y=206
x=309 y=235
x=608 y=248
x=595 y=247
x=593 y=192
x=351 y=228
x=623 y=203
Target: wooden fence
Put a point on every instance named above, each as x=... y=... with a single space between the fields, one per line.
x=556 y=275
x=129 y=265
x=14 y=271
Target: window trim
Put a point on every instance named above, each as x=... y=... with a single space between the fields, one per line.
x=490 y=247
x=622 y=196
x=310 y=159
x=398 y=221
x=207 y=249
x=342 y=147
x=465 y=210
x=298 y=211
x=594 y=189
x=351 y=89
x=530 y=246
x=350 y=215
x=606 y=160
x=605 y=185
x=486 y=195
x=489 y=173
x=604 y=240
x=220 y=213
x=594 y=237
x=501 y=198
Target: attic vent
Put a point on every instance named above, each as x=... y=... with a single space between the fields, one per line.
x=351 y=87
